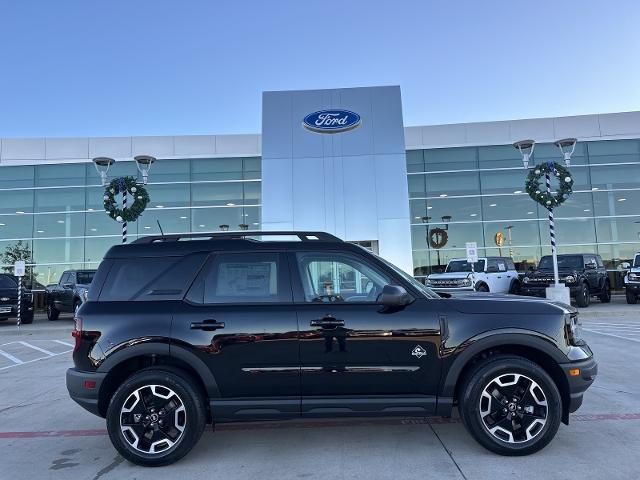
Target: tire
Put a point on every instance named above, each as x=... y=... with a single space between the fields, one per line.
x=583 y=297
x=482 y=288
x=515 y=288
x=185 y=426
x=27 y=319
x=632 y=298
x=605 y=295
x=52 y=313
x=538 y=387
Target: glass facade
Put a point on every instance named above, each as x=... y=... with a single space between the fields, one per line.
x=474 y=193
x=471 y=193
x=56 y=209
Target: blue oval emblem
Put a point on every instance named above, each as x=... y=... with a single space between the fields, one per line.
x=331 y=121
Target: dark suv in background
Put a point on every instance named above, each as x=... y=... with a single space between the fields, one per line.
x=267 y=326
x=583 y=273
x=9 y=300
x=67 y=295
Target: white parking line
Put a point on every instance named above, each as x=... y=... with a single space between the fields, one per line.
x=47 y=352
x=15 y=360
x=30 y=361
x=64 y=343
x=612 y=335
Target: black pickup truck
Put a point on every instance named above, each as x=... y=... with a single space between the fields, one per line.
x=69 y=293
x=9 y=300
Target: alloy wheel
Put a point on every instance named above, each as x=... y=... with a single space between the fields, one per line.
x=513 y=408
x=153 y=419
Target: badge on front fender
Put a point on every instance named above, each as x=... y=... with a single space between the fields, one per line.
x=418 y=351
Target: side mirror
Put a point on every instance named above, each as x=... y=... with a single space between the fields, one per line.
x=625 y=265
x=591 y=266
x=68 y=285
x=394 y=296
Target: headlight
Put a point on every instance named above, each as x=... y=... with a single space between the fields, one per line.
x=633 y=277
x=573 y=329
x=466 y=282
x=569 y=279
x=427 y=282
x=525 y=280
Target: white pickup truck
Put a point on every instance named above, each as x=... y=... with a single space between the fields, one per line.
x=632 y=279
x=488 y=274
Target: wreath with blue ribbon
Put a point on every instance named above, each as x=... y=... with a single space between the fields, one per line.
x=137 y=192
x=537 y=189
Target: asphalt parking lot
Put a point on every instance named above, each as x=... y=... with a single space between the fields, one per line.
x=43 y=434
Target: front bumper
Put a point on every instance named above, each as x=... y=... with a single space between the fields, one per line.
x=11 y=310
x=633 y=287
x=79 y=392
x=578 y=384
x=540 y=290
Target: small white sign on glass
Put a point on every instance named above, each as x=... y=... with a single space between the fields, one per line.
x=19 y=268
x=472 y=252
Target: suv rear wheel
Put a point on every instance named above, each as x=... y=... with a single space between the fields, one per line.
x=52 y=312
x=156 y=417
x=632 y=299
x=510 y=405
x=583 y=297
x=605 y=295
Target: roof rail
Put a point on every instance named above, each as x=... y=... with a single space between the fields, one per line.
x=303 y=236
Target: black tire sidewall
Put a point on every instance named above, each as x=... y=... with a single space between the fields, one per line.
x=195 y=410
x=605 y=296
x=480 y=378
x=583 y=297
x=52 y=313
x=632 y=299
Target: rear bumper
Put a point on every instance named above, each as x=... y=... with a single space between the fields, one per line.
x=578 y=384
x=79 y=392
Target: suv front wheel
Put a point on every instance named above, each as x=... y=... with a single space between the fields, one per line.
x=583 y=297
x=510 y=405
x=156 y=417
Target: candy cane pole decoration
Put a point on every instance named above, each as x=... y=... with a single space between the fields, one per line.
x=552 y=234
x=19 y=298
x=124 y=206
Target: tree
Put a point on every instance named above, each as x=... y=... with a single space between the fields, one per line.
x=18 y=251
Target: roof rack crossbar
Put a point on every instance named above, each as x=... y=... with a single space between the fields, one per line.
x=303 y=236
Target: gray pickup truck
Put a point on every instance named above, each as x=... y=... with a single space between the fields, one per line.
x=69 y=293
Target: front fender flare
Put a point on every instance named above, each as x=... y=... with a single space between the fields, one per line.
x=487 y=340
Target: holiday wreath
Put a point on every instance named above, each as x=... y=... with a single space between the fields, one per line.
x=539 y=192
x=128 y=185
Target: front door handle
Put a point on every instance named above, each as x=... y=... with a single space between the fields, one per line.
x=327 y=322
x=207 y=325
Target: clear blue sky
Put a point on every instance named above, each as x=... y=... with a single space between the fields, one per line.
x=80 y=68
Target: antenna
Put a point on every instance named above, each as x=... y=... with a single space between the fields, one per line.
x=160 y=227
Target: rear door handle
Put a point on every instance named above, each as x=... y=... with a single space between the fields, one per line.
x=207 y=325
x=327 y=322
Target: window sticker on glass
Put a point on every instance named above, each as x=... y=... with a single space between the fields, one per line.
x=250 y=279
x=502 y=267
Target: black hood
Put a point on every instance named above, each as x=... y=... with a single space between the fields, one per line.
x=498 y=303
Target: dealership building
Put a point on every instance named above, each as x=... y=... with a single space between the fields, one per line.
x=340 y=161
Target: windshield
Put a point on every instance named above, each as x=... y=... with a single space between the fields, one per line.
x=415 y=283
x=464 y=266
x=85 y=278
x=568 y=262
x=636 y=262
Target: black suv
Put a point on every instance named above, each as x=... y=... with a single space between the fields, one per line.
x=9 y=300
x=583 y=273
x=277 y=325
x=67 y=295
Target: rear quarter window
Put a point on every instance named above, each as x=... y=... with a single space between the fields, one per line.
x=150 y=279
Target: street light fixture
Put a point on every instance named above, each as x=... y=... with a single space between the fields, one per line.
x=526 y=150
x=446 y=219
x=144 y=162
x=566 y=143
x=102 y=165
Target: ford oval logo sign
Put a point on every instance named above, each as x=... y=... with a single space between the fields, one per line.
x=331 y=121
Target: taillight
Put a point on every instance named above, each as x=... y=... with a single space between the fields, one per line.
x=77 y=332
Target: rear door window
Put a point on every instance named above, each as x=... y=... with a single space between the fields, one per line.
x=239 y=278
